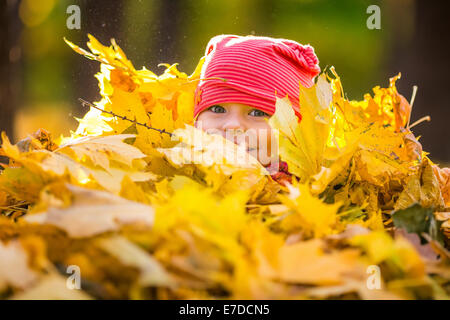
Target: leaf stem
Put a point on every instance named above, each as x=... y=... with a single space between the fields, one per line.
x=86 y=103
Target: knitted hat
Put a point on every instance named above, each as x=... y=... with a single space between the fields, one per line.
x=254 y=70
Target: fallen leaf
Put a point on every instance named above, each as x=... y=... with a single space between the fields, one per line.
x=93 y=212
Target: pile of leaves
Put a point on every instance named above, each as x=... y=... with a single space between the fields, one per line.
x=121 y=204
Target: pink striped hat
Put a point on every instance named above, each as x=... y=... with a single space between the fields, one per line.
x=254 y=70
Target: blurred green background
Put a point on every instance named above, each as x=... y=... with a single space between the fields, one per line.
x=42 y=78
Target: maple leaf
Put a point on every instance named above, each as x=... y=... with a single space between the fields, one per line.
x=47 y=166
x=198 y=218
x=164 y=102
x=309 y=214
x=92 y=212
x=112 y=55
x=422 y=187
x=103 y=150
x=305 y=262
x=443 y=177
x=225 y=165
x=221 y=228
x=303 y=145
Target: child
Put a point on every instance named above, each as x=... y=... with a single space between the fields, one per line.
x=240 y=80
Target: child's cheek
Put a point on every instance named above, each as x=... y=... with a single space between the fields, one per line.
x=205 y=121
x=210 y=125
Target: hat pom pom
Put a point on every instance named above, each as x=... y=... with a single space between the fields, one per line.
x=302 y=54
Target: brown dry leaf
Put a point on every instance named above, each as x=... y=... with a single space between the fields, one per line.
x=422 y=187
x=402 y=108
x=443 y=177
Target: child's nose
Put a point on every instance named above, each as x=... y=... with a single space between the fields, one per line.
x=233 y=123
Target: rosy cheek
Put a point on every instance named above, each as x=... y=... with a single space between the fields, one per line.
x=205 y=121
x=210 y=124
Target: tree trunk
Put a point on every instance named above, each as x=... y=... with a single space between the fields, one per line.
x=10 y=62
x=423 y=60
x=10 y=58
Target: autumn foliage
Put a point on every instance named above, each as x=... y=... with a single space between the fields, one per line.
x=118 y=200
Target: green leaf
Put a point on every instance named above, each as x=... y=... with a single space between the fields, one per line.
x=417 y=219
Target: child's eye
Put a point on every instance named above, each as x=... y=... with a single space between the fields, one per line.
x=217 y=109
x=258 y=113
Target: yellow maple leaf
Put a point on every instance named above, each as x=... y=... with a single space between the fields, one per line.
x=309 y=214
x=198 y=210
x=224 y=165
x=48 y=166
x=306 y=262
x=93 y=212
x=302 y=145
x=103 y=150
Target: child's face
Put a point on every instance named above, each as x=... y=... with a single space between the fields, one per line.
x=241 y=124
